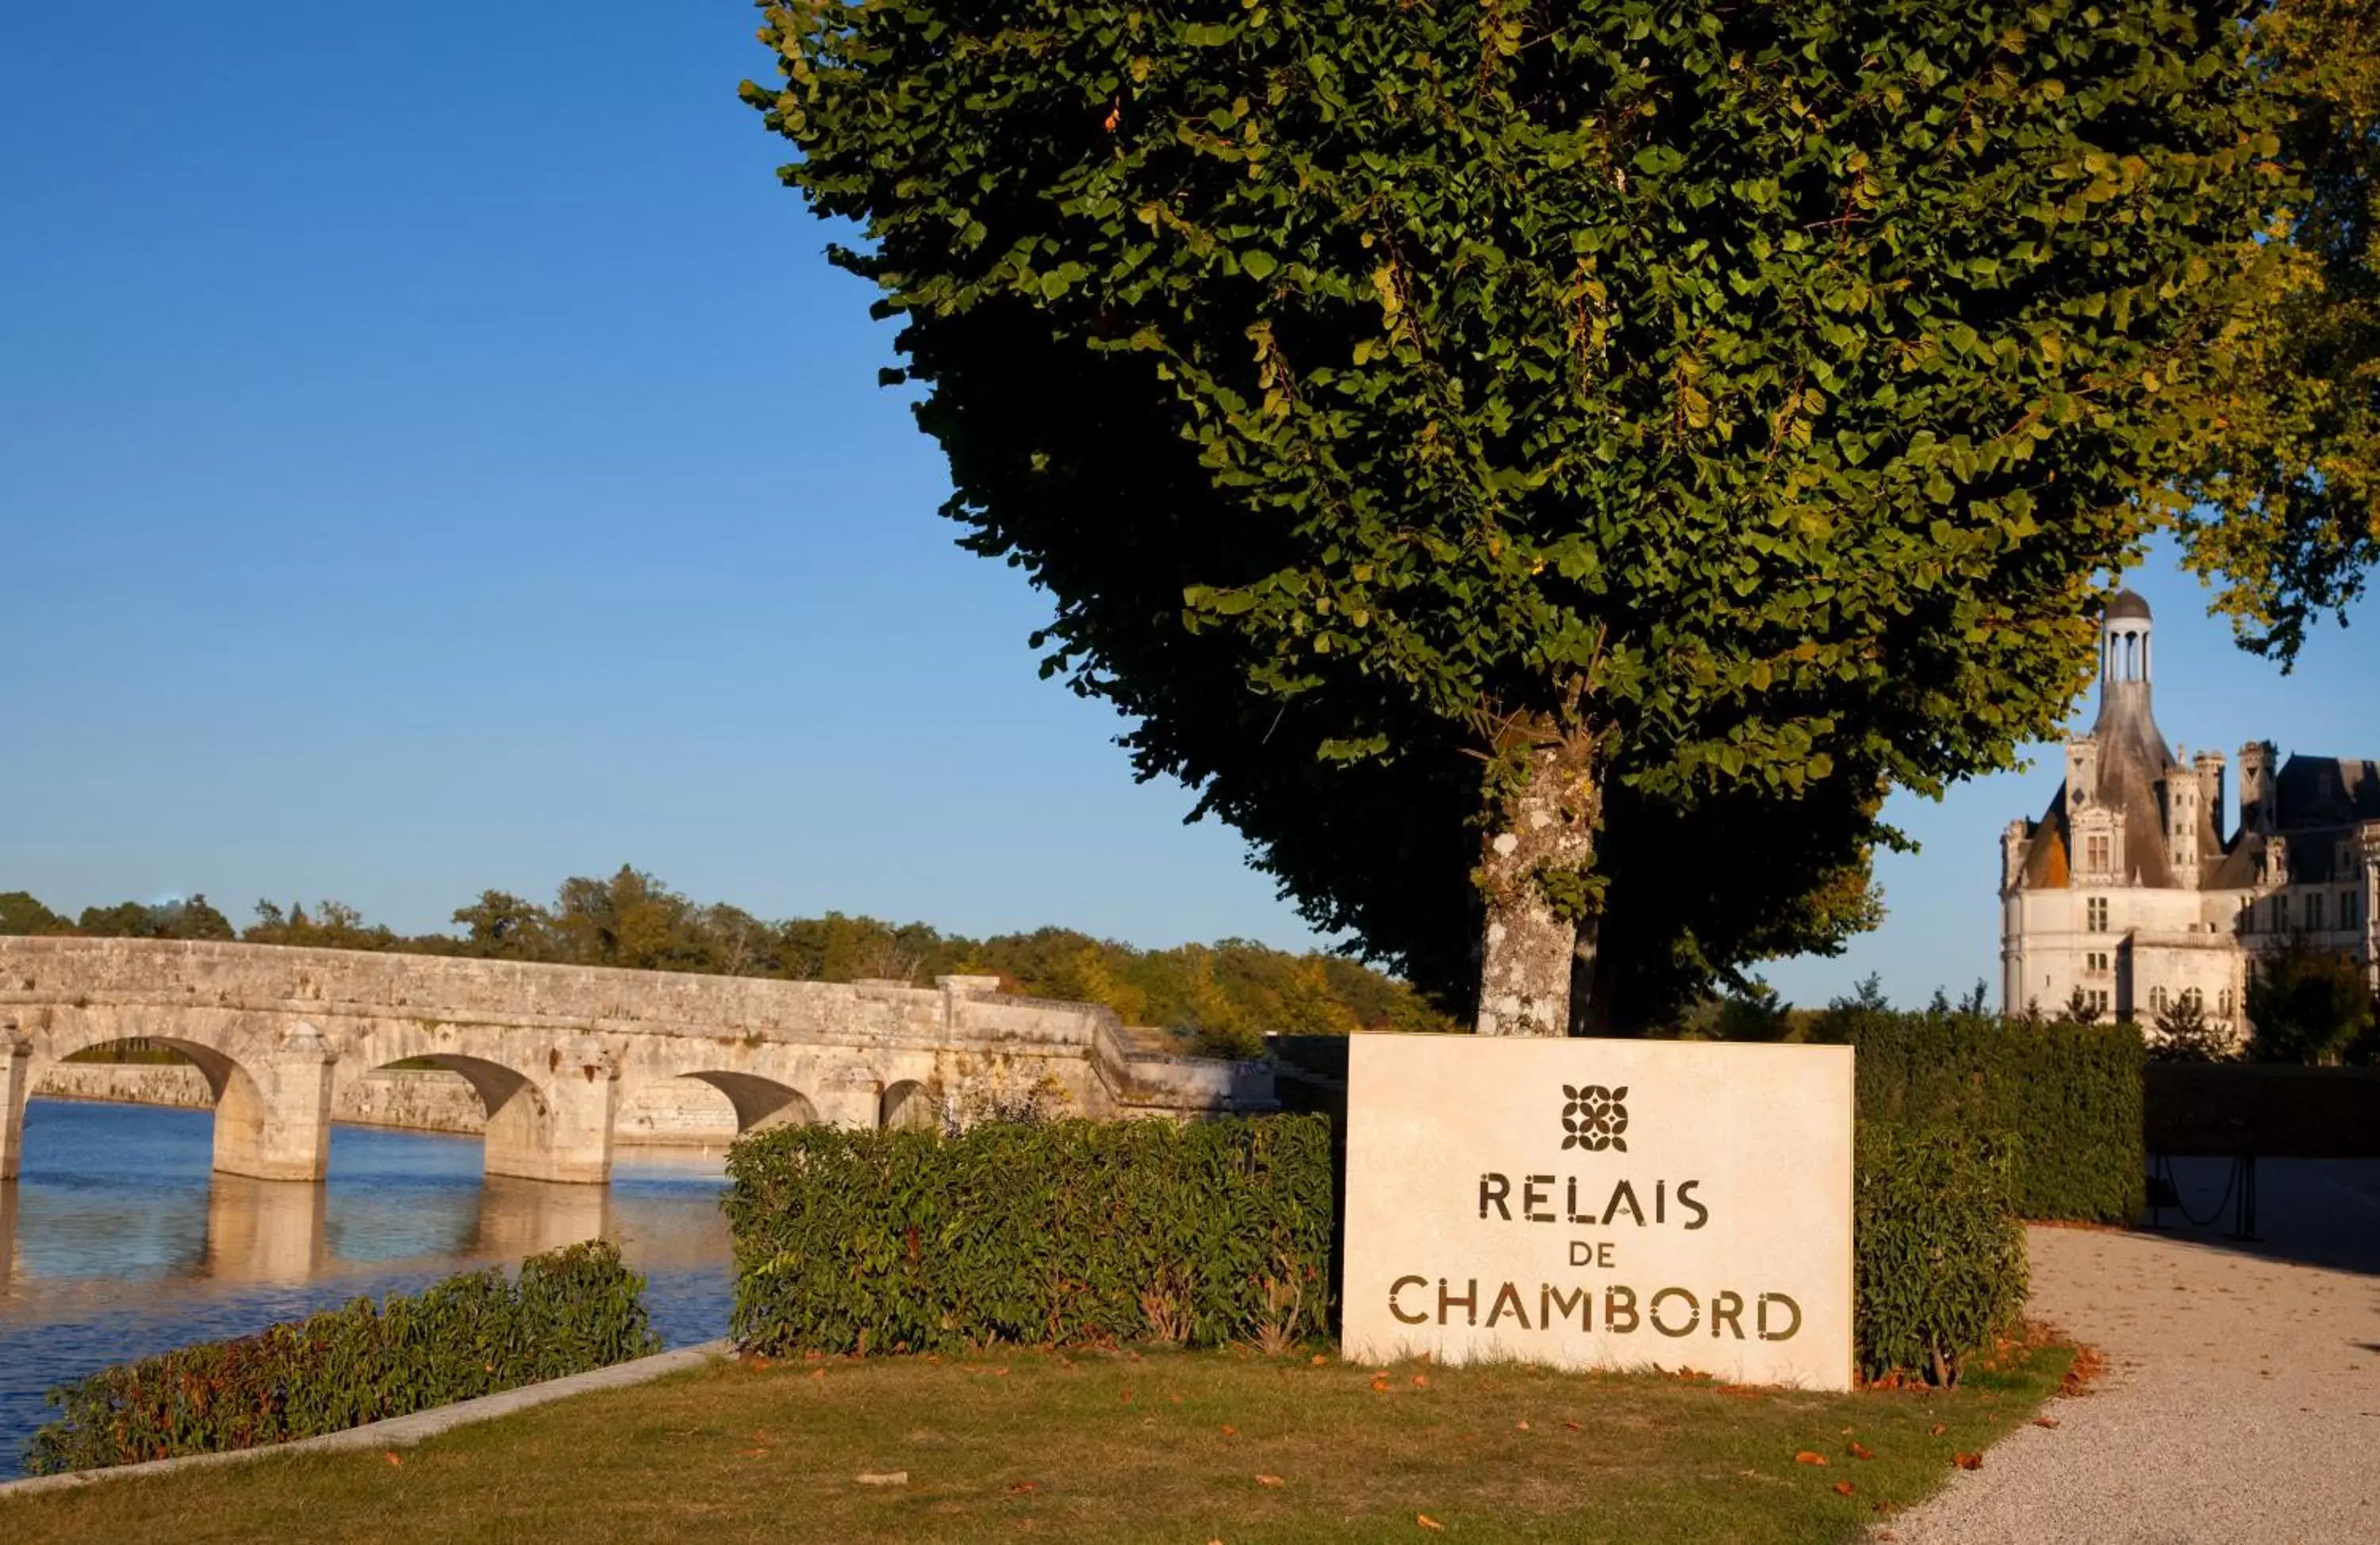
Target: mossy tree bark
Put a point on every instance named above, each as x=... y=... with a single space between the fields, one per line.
x=1535 y=871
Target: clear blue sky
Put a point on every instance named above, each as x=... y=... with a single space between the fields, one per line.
x=435 y=455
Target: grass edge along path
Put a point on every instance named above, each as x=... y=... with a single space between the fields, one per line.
x=1127 y=1445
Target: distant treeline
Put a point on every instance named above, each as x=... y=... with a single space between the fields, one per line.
x=1219 y=999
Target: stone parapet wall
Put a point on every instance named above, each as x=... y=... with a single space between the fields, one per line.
x=434 y=987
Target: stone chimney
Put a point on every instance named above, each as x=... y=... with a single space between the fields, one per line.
x=2208 y=764
x=2182 y=815
x=2013 y=841
x=2256 y=800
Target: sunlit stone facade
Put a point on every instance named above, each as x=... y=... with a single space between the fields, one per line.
x=2128 y=887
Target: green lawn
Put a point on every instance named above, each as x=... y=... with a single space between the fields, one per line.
x=1156 y=1446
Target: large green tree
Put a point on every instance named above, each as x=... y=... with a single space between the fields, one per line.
x=1659 y=408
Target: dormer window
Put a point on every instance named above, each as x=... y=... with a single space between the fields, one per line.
x=2099 y=850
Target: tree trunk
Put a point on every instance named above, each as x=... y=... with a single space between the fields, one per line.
x=1531 y=948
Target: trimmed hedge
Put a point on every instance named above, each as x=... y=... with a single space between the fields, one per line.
x=2066 y=1096
x=1938 y=1262
x=1059 y=1233
x=570 y=1310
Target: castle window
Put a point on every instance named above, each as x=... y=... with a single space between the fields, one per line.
x=2226 y=1003
x=2314 y=913
x=2280 y=905
x=2098 y=853
x=2351 y=910
x=2247 y=917
x=2156 y=999
x=2099 y=999
x=2096 y=914
x=2191 y=998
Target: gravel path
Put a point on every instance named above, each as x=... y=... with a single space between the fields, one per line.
x=2241 y=1401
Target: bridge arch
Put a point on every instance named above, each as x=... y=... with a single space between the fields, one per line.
x=271 y=1090
x=760 y=1103
x=520 y=1131
x=910 y=1103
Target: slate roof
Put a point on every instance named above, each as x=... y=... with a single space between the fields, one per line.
x=2321 y=797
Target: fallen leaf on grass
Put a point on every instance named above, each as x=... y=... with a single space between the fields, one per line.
x=1270 y=1480
x=1808 y=1457
x=1521 y=1425
x=1380 y=1386
x=1421 y=1380
x=818 y=1373
x=1572 y=1426
x=1319 y=1359
x=1432 y=1525
x=1935 y=1430
x=1230 y=1431
x=2045 y=1421
x=1860 y=1451
x=391 y=1457
x=1844 y=1489
x=1024 y=1488
x=890 y=1478
x=1968 y=1461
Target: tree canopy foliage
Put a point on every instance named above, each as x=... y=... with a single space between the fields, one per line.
x=2309 y=1003
x=2284 y=517
x=1221 y=998
x=1551 y=446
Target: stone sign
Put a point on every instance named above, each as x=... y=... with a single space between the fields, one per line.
x=1601 y=1204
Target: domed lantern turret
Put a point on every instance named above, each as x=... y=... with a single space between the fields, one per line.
x=2124 y=639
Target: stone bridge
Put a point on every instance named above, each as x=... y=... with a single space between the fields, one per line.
x=555 y=1051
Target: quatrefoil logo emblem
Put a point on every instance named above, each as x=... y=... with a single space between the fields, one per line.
x=1593 y=1117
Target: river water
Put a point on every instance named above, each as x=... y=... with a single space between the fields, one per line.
x=118 y=1242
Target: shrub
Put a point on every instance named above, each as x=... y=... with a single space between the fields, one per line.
x=1939 y=1263
x=1064 y=1233
x=570 y=1310
x=2066 y=1096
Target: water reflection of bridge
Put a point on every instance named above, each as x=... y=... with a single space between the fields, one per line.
x=285 y=1233
x=280 y=1231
